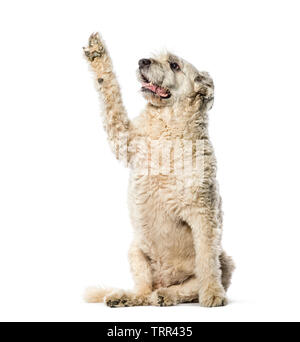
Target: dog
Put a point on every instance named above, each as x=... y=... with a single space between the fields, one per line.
x=176 y=254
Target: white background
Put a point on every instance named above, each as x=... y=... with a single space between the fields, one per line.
x=60 y=185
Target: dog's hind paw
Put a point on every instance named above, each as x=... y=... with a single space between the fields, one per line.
x=116 y=299
x=124 y=299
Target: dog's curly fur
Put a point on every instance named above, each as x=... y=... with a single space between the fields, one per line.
x=176 y=256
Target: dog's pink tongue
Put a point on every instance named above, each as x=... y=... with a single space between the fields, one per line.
x=156 y=89
x=161 y=92
x=150 y=86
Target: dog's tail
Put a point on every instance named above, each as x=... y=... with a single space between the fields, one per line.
x=227 y=268
x=96 y=294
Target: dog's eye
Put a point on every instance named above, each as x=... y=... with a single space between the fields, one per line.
x=174 y=66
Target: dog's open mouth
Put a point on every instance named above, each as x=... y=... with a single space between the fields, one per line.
x=154 y=88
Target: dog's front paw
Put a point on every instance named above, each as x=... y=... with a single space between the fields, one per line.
x=162 y=297
x=212 y=298
x=95 y=49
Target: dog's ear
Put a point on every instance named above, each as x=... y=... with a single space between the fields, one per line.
x=204 y=87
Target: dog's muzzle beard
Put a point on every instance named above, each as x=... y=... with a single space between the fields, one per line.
x=153 y=88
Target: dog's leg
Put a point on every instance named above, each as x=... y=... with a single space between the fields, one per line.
x=206 y=233
x=140 y=269
x=206 y=230
x=226 y=262
x=116 y=121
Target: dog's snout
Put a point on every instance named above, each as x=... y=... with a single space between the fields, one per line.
x=144 y=62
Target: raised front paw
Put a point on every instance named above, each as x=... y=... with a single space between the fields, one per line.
x=95 y=49
x=212 y=298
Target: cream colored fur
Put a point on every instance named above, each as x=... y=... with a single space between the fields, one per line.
x=176 y=256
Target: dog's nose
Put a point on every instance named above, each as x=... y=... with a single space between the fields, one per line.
x=144 y=62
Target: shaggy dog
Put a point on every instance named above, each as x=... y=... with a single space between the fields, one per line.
x=175 y=206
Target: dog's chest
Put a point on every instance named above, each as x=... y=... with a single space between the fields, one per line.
x=171 y=165
x=154 y=202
